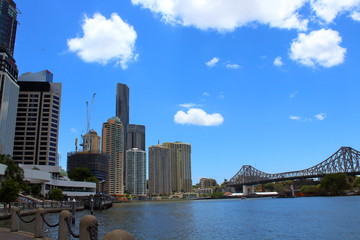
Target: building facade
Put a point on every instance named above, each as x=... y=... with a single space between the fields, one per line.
x=122 y=103
x=37 y=121
x=207 y=182
x=113 y=146
x=135 y=174
x=135 y=137
x=180 y=158
x=93 y=142
x=97 y=163
x=9 y=90
x=159 y=170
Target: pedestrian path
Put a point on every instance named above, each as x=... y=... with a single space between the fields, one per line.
x=5 y=234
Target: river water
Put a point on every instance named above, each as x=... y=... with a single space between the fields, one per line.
x=261 y=218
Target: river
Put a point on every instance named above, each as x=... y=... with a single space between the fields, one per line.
x=260 y=218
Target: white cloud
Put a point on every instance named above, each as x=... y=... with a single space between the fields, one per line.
x=221 y=95
x=73 y=130
x=320 y=116
x=206 y=94
x=293 y=94
x=197 y=116
x=294 y=117
x=278 y=62
x=318 y=48
x=227 y=15
x=355 y=16
x=329 y=9
x=105 y=40
x=232 y=66
x=212 y=62
x=189 y=105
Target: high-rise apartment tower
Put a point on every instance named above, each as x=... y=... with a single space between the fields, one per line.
x=159 y=170
x=122 y=103
x=113 y=146
x=135 y=173
x=135 y=136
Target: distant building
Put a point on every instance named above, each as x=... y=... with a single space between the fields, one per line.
x=180 y=158
x=93 y=140
x=37 y=122
x=122 y=103
x=135 y=137
x=96 y=162
x=159 y=170
x=135 y=174
x=113 y=146
x=9 y=90
x=207 y=182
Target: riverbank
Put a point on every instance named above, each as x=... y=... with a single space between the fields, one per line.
x=7 y=215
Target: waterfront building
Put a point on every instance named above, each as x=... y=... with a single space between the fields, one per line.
x=96 y=162
x=135 y=174
x=207 y=182
x=135 y=136
x=50 y=177
x=180 y=158
x=37 y=122
x=9 y=90
x=159 y=170
x=113 y=146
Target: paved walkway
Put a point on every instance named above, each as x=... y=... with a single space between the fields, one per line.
x=5 y=234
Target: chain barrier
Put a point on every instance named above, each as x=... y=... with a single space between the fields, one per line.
x=93 y=231
x=50 y=225
x=23 y=220
x=70 y=230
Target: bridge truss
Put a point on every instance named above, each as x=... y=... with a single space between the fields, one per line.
x=345 y=160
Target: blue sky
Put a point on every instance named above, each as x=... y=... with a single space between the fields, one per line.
x=273 y=84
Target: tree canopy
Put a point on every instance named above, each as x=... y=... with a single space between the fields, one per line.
x=13 y=171
x=335 y=184
x=9 y=191
x=82 y=174
x=56 y=194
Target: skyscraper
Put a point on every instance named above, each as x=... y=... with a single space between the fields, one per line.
x=135 y=173
x=159 y=170
x=180 y=158
x=135 y=136
x=113 y=146
x=9 y=90
x=122 y=103
x=37 y=122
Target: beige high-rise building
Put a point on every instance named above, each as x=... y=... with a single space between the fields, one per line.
x=93 y=140
x=180 y=158
x=37 y=122
x=113 y=145
x=159 y=170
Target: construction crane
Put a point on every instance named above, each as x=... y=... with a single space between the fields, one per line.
x=86 y=137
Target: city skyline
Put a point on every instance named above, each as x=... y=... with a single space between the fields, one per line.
x=278 y=87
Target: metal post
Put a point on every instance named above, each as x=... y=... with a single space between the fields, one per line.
x=88 y=228
x=73 y=211
x=14 y=227
x=64 y=233
x=118 y=235
x=92 y=205
x=39 y=230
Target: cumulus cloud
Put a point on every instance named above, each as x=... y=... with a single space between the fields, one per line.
x=329 y=9
x=355 y=16
x=228 y=15
x=232 y=66
x=320 y=116
x=318 y=48
x=212 y=62
x=294 y=117
x=278 y=62
x=197 y=116
x=105 y=40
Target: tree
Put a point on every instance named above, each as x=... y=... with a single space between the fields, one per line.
x=36 y=189
x=56 y=194
x=13 y=171
x=311 y=190
x=335 y=183
x=82 y=174
x=217 y=195
x=9 y=191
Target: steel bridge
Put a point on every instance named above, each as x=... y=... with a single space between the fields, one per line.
x=345 y=160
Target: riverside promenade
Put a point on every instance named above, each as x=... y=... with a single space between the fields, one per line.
x=6 y=234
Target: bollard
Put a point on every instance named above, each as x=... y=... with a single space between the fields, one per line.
x=39 y=231
x=14 y=227
x=63 y=232
x=88 y=228
x=118 y=235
